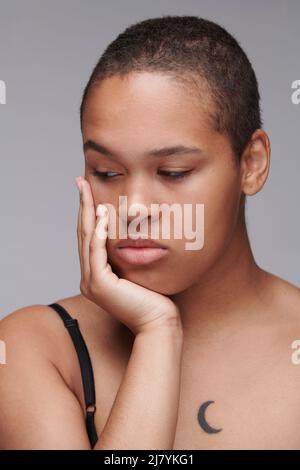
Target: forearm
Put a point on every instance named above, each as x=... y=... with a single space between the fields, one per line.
x=144 y=414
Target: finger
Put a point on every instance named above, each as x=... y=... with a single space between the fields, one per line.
x=98 y=252
x=79 y=238
x=88 y=219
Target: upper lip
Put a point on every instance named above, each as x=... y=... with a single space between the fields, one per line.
x=138 y=243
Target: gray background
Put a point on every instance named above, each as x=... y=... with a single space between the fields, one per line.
x=47 y=51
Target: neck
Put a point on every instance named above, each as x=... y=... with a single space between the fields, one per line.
x=233 y=287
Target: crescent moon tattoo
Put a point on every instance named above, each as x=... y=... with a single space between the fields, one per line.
x=202 y=421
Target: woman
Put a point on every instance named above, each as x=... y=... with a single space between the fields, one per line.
x=164 y=347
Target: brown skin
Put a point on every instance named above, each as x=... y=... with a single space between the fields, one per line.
x=238 y=320
x=130 y=117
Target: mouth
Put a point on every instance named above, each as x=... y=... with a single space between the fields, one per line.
x=140 y=251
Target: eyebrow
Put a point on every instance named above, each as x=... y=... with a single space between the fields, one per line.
x=160 y=152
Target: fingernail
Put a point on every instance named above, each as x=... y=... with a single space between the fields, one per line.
x=101 y=210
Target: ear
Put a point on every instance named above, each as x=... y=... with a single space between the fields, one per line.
x=255 y=162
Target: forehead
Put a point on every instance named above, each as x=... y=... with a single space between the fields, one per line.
x=143 y=104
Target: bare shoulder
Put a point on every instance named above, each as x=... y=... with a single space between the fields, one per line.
x=37 y=330
x=285 y=297
x=34 y=339
x=281 y=327
x=287 y=288
x=37 y=315
x=27 y=329
x=37 y=383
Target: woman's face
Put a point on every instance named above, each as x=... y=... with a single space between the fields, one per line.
x=131 y=116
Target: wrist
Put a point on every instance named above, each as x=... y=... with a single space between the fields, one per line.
x=165 y=325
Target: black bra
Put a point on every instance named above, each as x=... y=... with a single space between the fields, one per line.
x=86 y=369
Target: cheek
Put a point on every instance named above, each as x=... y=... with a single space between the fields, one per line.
x=221 y=213
x=221 y=197
x=220 y=194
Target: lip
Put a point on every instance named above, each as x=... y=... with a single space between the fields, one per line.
x=138 y=243
x=140 y=251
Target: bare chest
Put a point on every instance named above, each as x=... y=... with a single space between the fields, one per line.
x=246 y=406
x=249 y=400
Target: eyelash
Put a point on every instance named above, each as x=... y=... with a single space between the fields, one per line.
x=178 y=174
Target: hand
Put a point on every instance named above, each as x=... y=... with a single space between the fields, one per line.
x=138 y=308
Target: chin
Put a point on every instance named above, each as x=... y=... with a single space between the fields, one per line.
x=159 y=282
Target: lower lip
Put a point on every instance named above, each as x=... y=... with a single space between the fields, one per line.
x=141 y=255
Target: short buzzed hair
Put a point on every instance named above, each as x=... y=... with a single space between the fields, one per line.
x=194 y=51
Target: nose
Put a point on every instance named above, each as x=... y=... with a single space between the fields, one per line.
x=130 y=210
x=138 y=202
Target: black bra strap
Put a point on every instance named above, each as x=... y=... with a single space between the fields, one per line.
x=85 y=367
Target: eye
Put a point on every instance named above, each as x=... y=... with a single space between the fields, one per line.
x=105 y=174
x=175 y=174
x=167 y=174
